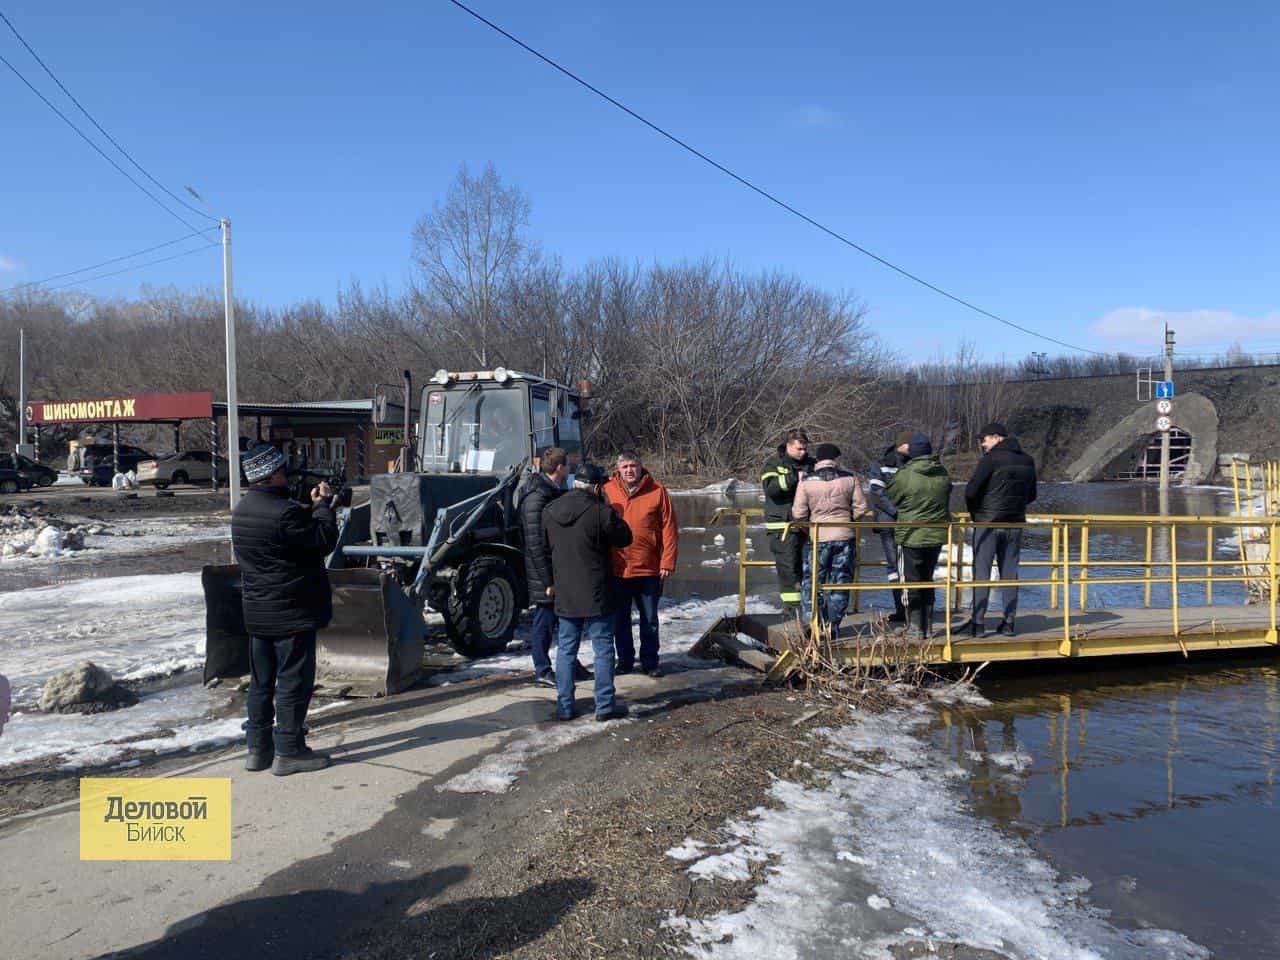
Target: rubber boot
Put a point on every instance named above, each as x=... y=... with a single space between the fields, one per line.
x=913 y=631
x=899 y=612
x=926 y=621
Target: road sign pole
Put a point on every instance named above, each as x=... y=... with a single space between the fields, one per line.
x=1165 y=452
x=233 y=405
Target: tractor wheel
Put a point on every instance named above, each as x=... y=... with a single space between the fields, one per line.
x=481 y=619
x=9 y=486
x=180 y=476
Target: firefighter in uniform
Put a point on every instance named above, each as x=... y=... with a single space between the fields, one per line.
x=781 y=477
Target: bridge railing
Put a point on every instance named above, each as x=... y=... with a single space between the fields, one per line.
x=1072 y=563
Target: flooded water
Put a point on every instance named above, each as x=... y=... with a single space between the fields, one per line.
x=1159 y=786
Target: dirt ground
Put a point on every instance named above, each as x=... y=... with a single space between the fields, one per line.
x=571 y=864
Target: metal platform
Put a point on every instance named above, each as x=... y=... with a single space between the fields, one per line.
x=1094 y=633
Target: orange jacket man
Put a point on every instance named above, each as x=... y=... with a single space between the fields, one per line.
x=641 y=569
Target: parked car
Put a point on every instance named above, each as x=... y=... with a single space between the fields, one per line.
x=191 y=466
x=95 y=463
x=12 y=481
x=37 y=473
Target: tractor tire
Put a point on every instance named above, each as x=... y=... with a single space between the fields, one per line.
x=180 y=476
x=9 y=486
x=481 y=619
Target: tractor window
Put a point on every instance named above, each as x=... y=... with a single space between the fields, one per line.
x=544 y=434
x=571 y=428
x=478 y=430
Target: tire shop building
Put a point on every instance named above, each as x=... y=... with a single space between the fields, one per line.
x=316 y=435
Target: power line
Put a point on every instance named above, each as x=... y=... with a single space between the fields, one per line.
x=105 y=263
x=760 y=190
x=83 y=136
x=138 y=266
x=111 y=139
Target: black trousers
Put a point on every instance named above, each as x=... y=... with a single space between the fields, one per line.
x=1004 y=547
x=788 y=560
x=282 y=678
x=918 y=564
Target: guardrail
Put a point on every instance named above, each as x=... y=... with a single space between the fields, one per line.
x=1069 y=566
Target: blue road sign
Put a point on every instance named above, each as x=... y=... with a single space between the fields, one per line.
x=1164 y=389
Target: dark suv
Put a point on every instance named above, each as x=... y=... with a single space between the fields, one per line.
x=97 y=463
x=11 y=481
x=37 y=473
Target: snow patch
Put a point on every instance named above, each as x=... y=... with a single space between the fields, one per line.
x=945 y=871
x=498 y=771
x=689 y=850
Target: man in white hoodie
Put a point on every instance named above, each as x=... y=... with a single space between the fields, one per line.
x=832 y=494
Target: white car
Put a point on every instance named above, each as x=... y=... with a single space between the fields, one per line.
x=194 y=466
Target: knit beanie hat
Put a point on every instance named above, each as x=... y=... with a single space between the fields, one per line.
x=261 y=462
x=827 y=451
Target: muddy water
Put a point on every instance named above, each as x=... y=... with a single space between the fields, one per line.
x=1159 y=786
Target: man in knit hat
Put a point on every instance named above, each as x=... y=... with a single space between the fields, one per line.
x=281 y=547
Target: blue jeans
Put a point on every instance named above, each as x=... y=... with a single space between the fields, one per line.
x=599 y=631
x=835 y=565
x=643 y=593
x=544 y=631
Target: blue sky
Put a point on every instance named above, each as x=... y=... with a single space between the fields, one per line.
x=1087 y=170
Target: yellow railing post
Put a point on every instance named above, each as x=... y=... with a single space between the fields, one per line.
x=946 y=610
x=1064 y=647
x=1208 y=567
x=1173 y=565
x=1054 y=538
x=1272 y=545
x=1248 y=488
x=1084 y=564
x=1146 y=585
x=742 y=564
x=815 y=621
x=857 y=562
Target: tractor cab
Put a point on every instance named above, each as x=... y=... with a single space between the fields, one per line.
x=488 y=422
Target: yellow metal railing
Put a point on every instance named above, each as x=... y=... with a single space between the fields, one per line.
x=1070 y=563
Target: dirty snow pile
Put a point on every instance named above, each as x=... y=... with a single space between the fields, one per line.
x=886 y=853
x=29 y=533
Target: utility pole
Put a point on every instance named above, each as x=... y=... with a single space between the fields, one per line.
x=1164 y=434
x=233 y=403
x=20 y=447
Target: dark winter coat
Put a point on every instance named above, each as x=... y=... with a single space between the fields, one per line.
x=878 y=478
x=781 y=478
x=921 y=490
x=537 y=493
x=1002 y=485
x=583 y=531
x=281 y=546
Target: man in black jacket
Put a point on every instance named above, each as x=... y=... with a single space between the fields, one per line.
x=583 y=530
x=780 y=478
x=281 y=548
x=543 y=486
x=999 y=491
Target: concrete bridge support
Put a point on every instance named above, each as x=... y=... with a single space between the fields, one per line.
x=1193 y=413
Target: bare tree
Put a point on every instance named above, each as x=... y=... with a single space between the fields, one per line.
x=469 y=249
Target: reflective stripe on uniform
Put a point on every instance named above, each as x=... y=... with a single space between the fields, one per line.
x=766 y=476
x=790 y=597
x=782 y=478
x=776 y=525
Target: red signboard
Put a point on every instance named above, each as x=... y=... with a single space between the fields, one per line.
x=137 y=408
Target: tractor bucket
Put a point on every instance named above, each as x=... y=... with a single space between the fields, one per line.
x=372 y=647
